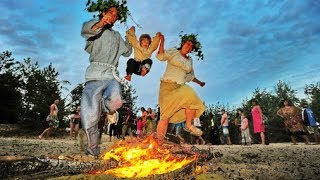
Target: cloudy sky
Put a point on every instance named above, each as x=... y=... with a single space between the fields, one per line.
x=246 y=43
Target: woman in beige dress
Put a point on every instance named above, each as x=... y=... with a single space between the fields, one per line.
x=179 y=102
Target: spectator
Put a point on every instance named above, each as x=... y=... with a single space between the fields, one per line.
x=258 y=125
x=292 y=120
x=225 y=126
x=310 y=122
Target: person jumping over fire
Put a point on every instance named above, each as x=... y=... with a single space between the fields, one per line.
x=178 y=102
x=102 y=91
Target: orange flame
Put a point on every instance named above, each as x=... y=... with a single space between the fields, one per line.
x=144 y=159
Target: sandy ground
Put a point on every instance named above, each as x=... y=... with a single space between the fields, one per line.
x=274 y=161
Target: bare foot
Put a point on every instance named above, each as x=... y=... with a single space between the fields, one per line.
x=128 y=77
x=144 y=71
x=40 y=137
x=194 y=131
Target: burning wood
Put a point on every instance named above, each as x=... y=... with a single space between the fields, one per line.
x=143 y=158
x=132 y=158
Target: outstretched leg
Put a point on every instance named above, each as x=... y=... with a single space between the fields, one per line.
x=190 y=113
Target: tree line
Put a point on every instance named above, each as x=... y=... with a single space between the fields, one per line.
x=27 y=92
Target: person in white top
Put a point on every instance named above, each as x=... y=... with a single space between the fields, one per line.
x=179 y=102
x=112 y=121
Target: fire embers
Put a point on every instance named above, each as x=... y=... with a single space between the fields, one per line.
x=143 y=158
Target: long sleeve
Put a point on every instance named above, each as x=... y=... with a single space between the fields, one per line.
x=154 y=44
x=164 y=56
x=125 y=47
x=86 y=31
x=132 y=38
x=190 y=76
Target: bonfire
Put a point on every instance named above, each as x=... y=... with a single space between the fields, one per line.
x=143 y=158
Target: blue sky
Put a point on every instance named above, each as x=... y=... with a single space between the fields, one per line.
x=246 y=44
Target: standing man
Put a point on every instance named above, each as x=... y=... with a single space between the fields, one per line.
x=225 y=126
x=102 y=91
x=127 y=123
x=52 y=119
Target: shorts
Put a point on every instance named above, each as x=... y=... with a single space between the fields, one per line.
x=225 y=131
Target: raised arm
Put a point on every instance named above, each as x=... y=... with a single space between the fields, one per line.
x=161 y=54
x=155 y=42
x=132 y=38
x=125 y=47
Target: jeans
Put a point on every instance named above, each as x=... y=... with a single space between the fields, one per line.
x=98 y=96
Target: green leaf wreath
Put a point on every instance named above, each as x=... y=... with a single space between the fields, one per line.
x=197 y=48
x=103 y=5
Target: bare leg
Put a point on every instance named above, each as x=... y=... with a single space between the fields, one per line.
x=263 y=138
x=228 y=140
x=190 y=113
x=306 y=139
x=50 y=131
x=203 y=142
x=71 y=129
x=189 y=116
x=162 y=128
x=45 y=133
x=76 y=131
x=293 y=140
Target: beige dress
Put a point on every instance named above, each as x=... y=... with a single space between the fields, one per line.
x=174 y=95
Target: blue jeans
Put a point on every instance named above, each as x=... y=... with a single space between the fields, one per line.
x=100 y=96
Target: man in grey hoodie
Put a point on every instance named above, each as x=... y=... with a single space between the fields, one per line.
x=102 y=91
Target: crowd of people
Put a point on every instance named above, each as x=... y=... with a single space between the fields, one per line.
x=297 y=121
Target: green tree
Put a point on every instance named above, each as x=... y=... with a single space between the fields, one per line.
x=10 y=82
x=284 y=91
x=41 y=87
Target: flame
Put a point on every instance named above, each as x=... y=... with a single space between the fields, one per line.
x=144 y=159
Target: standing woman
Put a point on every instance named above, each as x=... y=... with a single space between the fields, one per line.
x=150 y=120
x=74 y=123
x=292 y=118
x=179 y=102
x=258 y=125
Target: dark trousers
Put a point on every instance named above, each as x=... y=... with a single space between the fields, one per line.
x=135 y=67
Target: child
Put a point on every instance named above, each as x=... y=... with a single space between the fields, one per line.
x=140 y=126
x=141 y=64
x=245 y=133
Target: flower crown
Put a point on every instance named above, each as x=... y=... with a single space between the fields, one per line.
x=196 y=44
x=103 y=5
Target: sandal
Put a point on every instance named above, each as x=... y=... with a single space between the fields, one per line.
x=194 y=131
